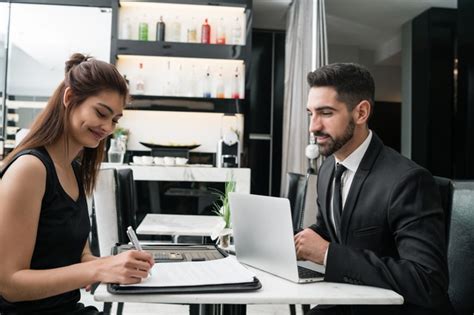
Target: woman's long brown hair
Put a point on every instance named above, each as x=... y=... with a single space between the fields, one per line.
x=85 y=77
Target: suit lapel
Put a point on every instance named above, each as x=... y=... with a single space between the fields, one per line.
x=326 y=192
x=360 y=176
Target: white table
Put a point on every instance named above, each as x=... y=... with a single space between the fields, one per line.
x=176 y=224
x=189 y=173
x=274 y=290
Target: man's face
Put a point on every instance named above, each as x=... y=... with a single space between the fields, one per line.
x=330 y=120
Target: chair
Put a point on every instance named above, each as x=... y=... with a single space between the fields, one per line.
x=127 y=203
x=296 y=188
x=461 y=248
x=296 y=193
x=106 y=204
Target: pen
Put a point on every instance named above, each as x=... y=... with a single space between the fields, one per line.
x=134 y=239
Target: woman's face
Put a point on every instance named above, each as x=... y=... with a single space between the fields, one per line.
x=95 y=119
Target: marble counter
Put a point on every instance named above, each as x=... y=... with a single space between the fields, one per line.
x=189 y=173
x=274 y=290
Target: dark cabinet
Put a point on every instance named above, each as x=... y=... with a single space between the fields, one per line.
x=266 y=111
x=442 y=91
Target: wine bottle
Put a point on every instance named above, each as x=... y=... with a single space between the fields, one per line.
x=206 y=88
x=160 y=30
x=140 y=82
x=221 y=35
x=206 y=33
x=236 y=84
x=220 y=91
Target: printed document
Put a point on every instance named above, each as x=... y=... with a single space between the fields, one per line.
x=197 y=273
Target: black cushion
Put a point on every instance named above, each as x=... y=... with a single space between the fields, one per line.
x=127 y=201
x=296 y=193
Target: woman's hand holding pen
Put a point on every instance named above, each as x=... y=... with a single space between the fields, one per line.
x=126 y=268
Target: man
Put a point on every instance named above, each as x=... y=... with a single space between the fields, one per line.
x=380 y=223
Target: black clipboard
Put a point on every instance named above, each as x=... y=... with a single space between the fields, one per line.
x=183 y=248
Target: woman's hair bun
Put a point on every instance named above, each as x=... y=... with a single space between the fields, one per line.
x=74 y=60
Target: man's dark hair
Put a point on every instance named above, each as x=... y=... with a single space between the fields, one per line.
x=352 y=82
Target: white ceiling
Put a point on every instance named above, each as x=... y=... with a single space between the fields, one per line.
x=367 y=24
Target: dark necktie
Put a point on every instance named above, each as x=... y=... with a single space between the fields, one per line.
x=337 y=196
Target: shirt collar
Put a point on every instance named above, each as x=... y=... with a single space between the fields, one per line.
x=353 y=160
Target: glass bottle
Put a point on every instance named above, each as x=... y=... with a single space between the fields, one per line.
x=220 y=89
x=236 y=84
x=177 y=82
x=205 y=33
x=116 y=151
x=191 y=86
x=140 y=82
x=207 y=83
x=143 y=29
x=160 y=30
x=126 y=29
x=192 y=32
x=174 y=31
x=168 y=86
x=221 y=35
x=236 y=32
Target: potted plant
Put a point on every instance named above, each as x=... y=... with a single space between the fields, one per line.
x=222 y=208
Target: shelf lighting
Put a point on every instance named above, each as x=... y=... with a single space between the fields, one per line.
x=196 y=9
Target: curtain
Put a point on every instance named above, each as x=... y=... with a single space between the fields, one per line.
x=305 y=51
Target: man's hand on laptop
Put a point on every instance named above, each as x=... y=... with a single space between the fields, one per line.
x=310 y=246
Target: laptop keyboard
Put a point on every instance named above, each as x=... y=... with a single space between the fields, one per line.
x=305 y=273
x=164 y=256
x=203 y=256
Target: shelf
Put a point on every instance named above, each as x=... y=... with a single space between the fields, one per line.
x=175 y=49
x=219 y=3
x=198 y=104
x=160 y=69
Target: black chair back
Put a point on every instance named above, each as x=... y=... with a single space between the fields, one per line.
x=461 y=248
x=445 y=186
x=296 y=192
x=127 y=203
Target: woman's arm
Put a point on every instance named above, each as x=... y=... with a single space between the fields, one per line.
x=87 y=254
x=21 y=192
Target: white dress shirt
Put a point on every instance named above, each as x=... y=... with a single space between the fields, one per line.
x=351 y=163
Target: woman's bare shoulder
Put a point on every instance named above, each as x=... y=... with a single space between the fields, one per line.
x=25 y=170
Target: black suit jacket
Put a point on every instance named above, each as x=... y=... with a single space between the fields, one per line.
x=392 y=232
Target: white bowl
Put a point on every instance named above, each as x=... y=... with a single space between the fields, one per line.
x=137 y=159
x=181 y=161
x=169 y=161
x=147 y=160
x=159 y=160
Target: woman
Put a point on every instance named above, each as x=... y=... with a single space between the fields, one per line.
x=44 y=224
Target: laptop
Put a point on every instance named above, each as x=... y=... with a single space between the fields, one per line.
x=263 y=237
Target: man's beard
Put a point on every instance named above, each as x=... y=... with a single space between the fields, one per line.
x=334 y=144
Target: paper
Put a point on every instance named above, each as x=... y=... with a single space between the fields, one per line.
x=197 y=273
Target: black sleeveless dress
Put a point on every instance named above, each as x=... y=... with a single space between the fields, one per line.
x=63 y=229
